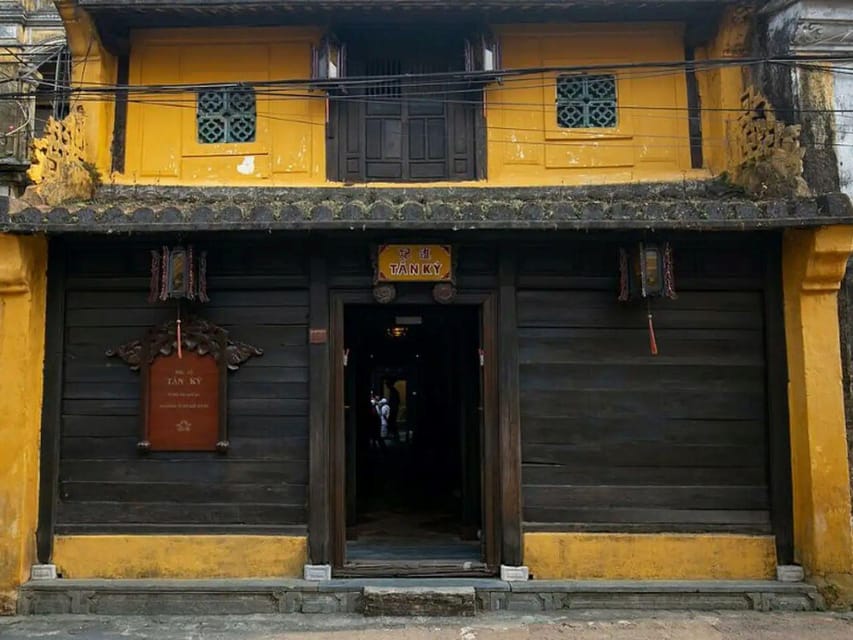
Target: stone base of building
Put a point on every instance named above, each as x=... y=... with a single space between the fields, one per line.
x=242 y=597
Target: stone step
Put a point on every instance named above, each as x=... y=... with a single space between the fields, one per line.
x=423 y=596
x=419 y=601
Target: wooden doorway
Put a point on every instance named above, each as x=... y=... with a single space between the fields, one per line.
x=386 y=519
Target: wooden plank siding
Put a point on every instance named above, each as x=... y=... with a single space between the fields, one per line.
x=614 y=439
x=259 y=292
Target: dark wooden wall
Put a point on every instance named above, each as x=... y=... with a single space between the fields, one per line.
x=614 y=439
x=259 y=292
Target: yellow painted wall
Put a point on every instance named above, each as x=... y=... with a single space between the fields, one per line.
x=650 y=142
x=525 y=145
x=174 y=556
x=93 y=66
x=162 y=142
x=720 y=89
x=613 y=556
x=23 y=265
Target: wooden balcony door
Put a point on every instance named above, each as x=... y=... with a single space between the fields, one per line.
x=403 y=129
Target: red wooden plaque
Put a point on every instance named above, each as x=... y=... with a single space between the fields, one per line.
x=184 y=399
x=183 y=402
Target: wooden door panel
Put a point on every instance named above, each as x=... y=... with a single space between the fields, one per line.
x=384 y=139
x=384 y=170
x=410 y=139
x=427 y=170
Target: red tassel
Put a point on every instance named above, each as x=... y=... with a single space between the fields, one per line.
x=180 y=352
x=653 y=344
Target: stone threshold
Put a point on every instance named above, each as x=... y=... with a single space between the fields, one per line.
x=423 y=596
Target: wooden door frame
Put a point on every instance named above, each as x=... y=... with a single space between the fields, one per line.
x=490 y=467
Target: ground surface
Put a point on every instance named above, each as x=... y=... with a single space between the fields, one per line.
x=587 y=625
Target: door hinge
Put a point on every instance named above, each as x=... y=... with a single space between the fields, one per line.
x=482 y=357
x=346 y=357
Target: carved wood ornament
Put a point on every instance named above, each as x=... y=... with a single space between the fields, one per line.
x=184 y=392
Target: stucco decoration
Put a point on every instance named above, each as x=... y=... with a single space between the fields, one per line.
x=824 y=35
x=733 y=39
x=769 y=157
x=60 y=170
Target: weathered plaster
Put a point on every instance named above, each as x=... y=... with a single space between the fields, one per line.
x=184 y=556
x=811 y=28
x=622 y=556
x=843 y=104
x=23 y=266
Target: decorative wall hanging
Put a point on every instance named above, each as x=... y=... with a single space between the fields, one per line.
x=384 y=293
x=444 y=292
x=178 y=274
x=184 y=378
x=646 y=272
x=414 y=263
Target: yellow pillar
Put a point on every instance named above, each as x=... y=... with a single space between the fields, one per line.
x=814 y=262
x=23 y=264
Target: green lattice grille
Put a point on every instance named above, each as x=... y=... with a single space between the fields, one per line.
x=226 y=116
x=586 y=102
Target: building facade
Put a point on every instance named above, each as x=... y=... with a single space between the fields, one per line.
x=590 y=266
x=807 y=28
x=32 y=61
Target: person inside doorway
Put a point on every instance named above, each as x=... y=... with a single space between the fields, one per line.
x=382 y=412
x=393 y=408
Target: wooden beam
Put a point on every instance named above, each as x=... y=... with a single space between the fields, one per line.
x=481 y=143
x=120 y=120
x=509 y=411
x=779 y=440
x=318 y=389
x=337 y=439
x=694 y=112
x=52 y=401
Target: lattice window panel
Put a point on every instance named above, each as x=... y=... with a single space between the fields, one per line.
x=224 y=115
x=586 y=102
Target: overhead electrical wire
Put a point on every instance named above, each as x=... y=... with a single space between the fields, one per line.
x=421 y=80
x=450 y=83
x=682 y=140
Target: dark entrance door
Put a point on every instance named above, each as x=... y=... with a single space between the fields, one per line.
x=412 y=392
x=415 y=128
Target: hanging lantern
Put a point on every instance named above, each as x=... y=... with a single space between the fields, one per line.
x=329 y=59
x=646 y=272
x=176 y=274
x=482 y=53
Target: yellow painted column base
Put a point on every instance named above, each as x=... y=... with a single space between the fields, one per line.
x=180 y=556
x=664 y=556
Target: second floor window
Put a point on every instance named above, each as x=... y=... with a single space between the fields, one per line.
x=586 y=102
x=226 y=115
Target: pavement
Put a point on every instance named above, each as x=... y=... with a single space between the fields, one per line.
x=582 y=625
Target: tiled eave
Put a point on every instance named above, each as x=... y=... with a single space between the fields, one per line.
x=383 y=4
x=698 y=206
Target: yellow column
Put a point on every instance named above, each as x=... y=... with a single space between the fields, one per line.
x=814 y=262
x=23 y=264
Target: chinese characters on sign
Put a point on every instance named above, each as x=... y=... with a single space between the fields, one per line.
x=414 y=263
x=183 y=403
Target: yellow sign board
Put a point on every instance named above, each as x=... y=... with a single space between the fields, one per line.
x=414 y=263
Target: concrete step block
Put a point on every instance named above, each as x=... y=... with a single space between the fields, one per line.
x=419 y=601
